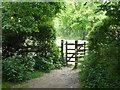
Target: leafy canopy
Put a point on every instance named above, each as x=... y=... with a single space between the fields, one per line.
x=77 y=20
x=27 y=16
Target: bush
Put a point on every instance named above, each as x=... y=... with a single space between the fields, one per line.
x=17 y=68
x=56 y=55
x=15 y=34
x=43 y=64
x=100 y=68
x=57 y=65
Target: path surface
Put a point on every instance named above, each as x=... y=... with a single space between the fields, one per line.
x=59 y=78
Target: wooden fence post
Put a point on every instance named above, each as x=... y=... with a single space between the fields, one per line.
x=76 y=53
x=66 y=53
x=62 y=50
x=84 y=48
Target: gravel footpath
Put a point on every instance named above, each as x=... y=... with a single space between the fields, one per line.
x=58 y=78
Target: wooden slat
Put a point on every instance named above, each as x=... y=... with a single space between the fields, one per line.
x=71 y=61
x=81 y=44
x=77 y=57
x=70 y=57
x=74 y=55
x=82 y=50
x=78 y=50
x=78 y=53
x=70 y=49
x=74 y=44
x=70 y=43
x=66 y=52
x=62 y=49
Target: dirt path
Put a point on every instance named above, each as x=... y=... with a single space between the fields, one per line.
x=60 y=78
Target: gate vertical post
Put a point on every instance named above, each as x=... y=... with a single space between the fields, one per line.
x=62 y=50
x=84 y=48
x=66 y=53
x=76 y=53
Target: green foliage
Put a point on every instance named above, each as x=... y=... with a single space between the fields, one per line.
x=56 y=55
x=32 y=75
x=101 y=66
x=17 y=68
x=5 y=85
x=18 y=17
x=12 y=42
x=35 y=74
x=58 y=65
x=27 y=29
x=43 y=64
x=45 y=39
x=111 y=8
x=22 y=25
x=77 y=20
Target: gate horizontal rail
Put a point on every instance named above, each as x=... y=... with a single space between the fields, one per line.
x=80 y=49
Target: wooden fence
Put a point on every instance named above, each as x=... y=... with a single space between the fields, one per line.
x=79 y=51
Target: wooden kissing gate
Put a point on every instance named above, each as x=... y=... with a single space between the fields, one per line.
x=79 y=51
